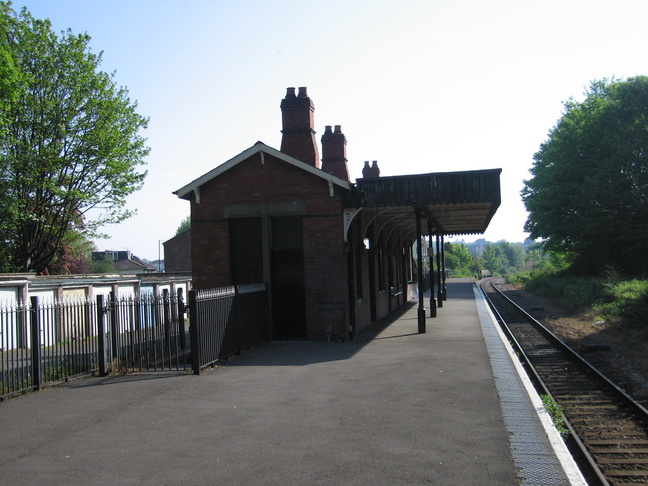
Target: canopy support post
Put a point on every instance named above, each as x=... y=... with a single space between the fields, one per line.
x=419 y=268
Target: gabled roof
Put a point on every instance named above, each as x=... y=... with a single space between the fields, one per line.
x=261 y=148
x=133 y=264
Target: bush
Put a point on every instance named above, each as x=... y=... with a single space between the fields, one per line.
x=625 y=300
x=610 y=295
x=461 y=272
x=576 y=292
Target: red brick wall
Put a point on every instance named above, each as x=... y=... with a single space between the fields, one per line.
x=253 y=187
x=326 y=278
x=177 y=253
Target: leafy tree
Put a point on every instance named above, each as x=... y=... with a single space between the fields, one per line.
x=69 y=156
x=73 y=256
x=493 y=258
x=458 y=259
x=102 y=266
x=185 y=225
x=588 y=198
x=513 y=255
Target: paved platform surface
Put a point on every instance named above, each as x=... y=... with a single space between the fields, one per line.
x=392 y=407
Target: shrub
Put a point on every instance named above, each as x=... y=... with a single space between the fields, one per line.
x=625 y=300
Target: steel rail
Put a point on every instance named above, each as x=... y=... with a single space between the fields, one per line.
x=575 y=445
x=579 y=446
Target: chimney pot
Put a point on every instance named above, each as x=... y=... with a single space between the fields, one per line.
x=298 y=131
x=373 y=171
x=334 y=159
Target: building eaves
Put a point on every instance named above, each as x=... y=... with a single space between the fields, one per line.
x=261 y=148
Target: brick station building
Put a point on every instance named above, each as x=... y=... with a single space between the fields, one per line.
x=336 y=256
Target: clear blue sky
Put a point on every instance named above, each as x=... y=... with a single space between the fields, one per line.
x=419 y=86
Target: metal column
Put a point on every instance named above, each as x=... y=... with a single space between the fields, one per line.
x=433 y=304
x=419 y=267
x=440 y=288
x=443 y=268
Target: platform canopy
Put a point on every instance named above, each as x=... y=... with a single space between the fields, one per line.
x=452 y=203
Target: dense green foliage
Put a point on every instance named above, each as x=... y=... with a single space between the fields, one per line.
x=501 y=258
x=184 y=225
x=459 y=260
x=575 y=291
x=588 y=198
x=610 y=297
x=624 y=299
x=69 y=142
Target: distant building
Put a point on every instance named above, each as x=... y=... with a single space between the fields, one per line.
x=124 y=261
x=177 y=253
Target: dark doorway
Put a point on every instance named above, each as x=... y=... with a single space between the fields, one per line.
x=246 y=250
x=287 y=277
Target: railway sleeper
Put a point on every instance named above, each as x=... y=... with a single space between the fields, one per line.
x=583 y=386
x=627 y=473
x=589 y=407
x=621 y=460
x=591 y=415
x=616 y=436
x=567 y=403
x=610 y=451
x=636 y=442
x=576 y=399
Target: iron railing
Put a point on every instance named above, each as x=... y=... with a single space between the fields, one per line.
x=224 y=321
x=148 y=333
x=48 y=341
x=15 y=354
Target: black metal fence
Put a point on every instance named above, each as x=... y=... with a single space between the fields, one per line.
x=49 y=341
x=146 y=333
x=227 y=320
x=44 y=342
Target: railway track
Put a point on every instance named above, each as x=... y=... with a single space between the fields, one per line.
x=608 y=430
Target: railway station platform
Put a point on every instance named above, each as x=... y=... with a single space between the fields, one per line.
x=392 y=407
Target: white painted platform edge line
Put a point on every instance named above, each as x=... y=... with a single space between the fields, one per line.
x=564 y=456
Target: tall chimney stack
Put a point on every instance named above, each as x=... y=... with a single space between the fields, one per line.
x=298 y=131
x=370 y=171
x=334 y=159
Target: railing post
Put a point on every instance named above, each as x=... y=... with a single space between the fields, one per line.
x=166 y=313
x=101 y=335
x=194 y=333
x=238 y=332
x=35 y=343
x=181 y=319
x=114 y=331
